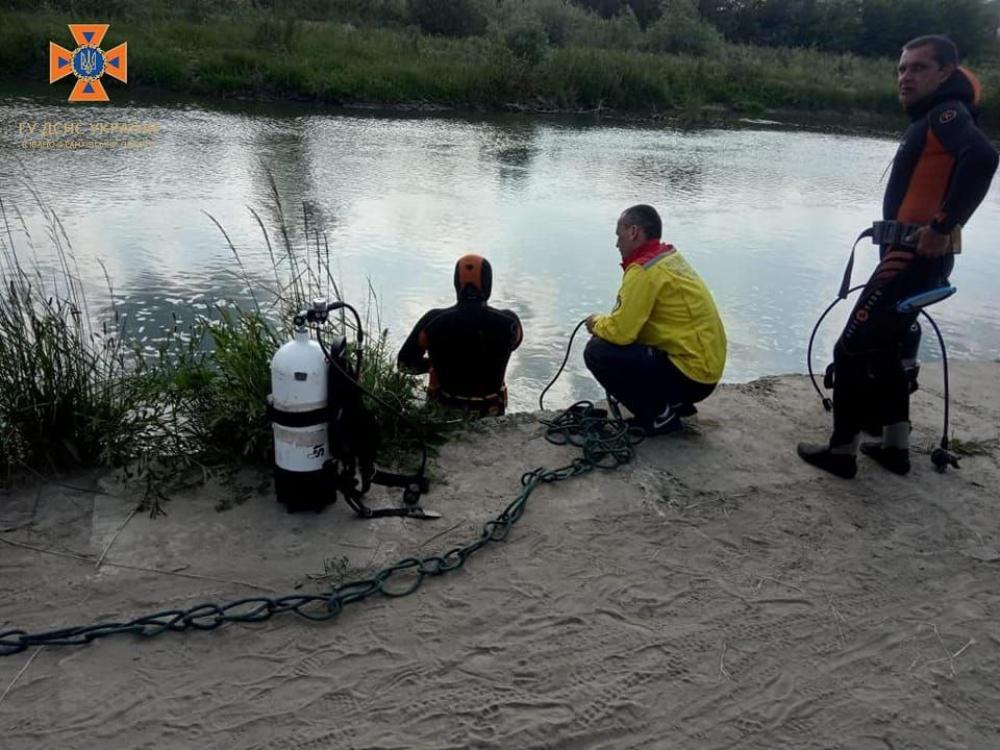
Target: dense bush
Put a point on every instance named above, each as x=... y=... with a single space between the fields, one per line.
x=449 y=17
x=563 y=22
x=621 y=32
x=681 y=30
x=646 y=12
x=527 y=39
x=865 y=27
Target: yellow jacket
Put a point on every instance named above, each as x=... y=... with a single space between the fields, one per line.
x=663 y=303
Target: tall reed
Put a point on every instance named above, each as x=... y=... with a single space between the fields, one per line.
x=71 y=392
x=75 y=392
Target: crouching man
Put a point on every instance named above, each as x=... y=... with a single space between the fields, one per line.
x=663 y=347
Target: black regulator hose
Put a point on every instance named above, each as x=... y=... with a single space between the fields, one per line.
x=569 y=346
x=356 y=380
x=942 y=457
x=827 y=403
x=361 y=331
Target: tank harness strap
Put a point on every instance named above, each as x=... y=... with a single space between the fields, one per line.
x=845 y=285
x=883 y=234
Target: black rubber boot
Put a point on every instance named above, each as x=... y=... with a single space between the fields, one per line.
x=843 y=465
x=896 y=460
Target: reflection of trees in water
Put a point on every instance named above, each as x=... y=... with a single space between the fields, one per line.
x=296 y=221
x=510 y=146
x=676 y=174
x=280 y=152
x=282 y=171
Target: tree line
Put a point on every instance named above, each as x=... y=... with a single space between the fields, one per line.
x=868 y=28
x=863 y=27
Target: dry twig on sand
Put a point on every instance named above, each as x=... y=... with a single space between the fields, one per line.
x=838 y=618
x=948 y=657
x=761 y=579
x=722 y=663
x=23 y=670
x=107 y=547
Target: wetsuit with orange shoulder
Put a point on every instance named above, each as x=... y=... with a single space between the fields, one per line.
x=465 y=348
x=944 y=164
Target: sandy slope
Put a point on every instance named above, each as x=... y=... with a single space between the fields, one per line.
x=717 y=593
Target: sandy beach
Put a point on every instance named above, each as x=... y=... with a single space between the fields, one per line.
x=715 y=593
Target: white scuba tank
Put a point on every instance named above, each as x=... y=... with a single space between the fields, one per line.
x=299 y=418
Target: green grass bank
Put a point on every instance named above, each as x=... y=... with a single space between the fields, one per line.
x=261 y=55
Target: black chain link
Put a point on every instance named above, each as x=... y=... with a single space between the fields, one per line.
x=607 y=443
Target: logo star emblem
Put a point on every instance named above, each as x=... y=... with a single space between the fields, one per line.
x=88 y=62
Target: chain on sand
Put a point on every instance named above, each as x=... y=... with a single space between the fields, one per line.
x=606 y=443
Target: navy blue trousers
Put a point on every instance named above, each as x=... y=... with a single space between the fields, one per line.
x=641 y=377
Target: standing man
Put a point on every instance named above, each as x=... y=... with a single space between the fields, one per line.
x=940 y=174
x=663 y=347
x=465 y=348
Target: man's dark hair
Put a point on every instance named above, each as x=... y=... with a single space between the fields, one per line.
x=945 y=51
x=646 y=218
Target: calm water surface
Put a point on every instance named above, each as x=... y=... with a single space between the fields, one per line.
x=766 y=216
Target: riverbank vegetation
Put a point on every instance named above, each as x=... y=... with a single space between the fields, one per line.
x=629 y=55
x=81 y=385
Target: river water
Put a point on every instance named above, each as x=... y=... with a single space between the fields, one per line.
x=765 y=213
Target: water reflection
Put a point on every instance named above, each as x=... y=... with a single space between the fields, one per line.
x=766 y=216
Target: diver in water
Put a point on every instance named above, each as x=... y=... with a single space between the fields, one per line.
x=465 y=348
x=663 y=347
x=940 y=174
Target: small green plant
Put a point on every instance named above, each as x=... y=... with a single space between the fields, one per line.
x=404 y=417
x=972 y=447
x=222 y=386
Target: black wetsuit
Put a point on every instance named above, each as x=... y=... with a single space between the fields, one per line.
x=940 y=175
x=465 y=348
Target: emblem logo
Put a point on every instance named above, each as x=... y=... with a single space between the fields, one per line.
x=88 y=62
x=947 y=116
